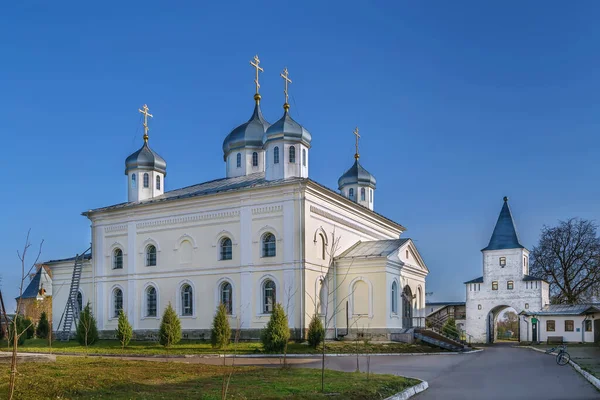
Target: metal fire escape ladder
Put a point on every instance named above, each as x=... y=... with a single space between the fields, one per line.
x=71 y=313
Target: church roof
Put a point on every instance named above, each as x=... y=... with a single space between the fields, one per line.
x=40 y=278
x=357 y=175
x=87 y=256
x=288 y=129
x=476 y=280
x=375 y=248
x=249 y=134
x=566 y=309
x=221 y=185
x=505 y=234
x=147 y=158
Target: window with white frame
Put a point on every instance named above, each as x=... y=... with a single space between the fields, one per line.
x=323 y=296
x=276 y=155
x=268 y=296
x=117 y=301
x=502 y=262
x=362 y=194
x=255 y=159
x=269 y=247
x=226 y=296
x=187 y=307
x=304 y=157
x=150 y=255
x=225 y=249
x=151 y=301
x=238 y=158
x=351 y=194
x=133 y=183
x=117 y=258
x=292 y=155
x=157 y=182
x=146 y=180
x=394 y=298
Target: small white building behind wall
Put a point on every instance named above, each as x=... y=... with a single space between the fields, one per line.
x=506 y=283
x=572 y=323
x=260 y=235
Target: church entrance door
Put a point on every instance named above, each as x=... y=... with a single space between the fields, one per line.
x=534 y=336
x=407 y=307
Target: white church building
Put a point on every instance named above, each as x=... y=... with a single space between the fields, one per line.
x=262 y=234
x=506 y=282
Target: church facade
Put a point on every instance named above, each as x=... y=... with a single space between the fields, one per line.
x=265 y=233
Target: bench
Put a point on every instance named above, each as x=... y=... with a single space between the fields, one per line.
x=554 y=340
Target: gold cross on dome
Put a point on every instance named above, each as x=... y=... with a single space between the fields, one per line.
x=146 y=115
x=356 y=156
x=255 y=63
x=286 y=80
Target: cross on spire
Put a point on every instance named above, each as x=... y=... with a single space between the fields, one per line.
x=146 y=115
x=256 y=64
x=356 y=155
x=286 y=80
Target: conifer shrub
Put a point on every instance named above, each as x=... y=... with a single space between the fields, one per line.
x=21 y=327
x=220 y=333
x=124 y=330
x=449 y=329
x=316 y=332
x=30 y=326
x=170 y=328
x=42 y=327
x=87 y=329
x=276 y=334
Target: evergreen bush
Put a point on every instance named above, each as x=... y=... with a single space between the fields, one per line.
x=449 y=329
x=316 y=332
x=170 y=328
x=220 y=333
x=30 y=326
x=42 y=327
x=124 y=330
x=276 y=334
x=87 y=330
x=21 y=327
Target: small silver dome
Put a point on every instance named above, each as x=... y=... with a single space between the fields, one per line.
x=146 y=158
x=288 y=129
x=248 y=134
x=357 y=175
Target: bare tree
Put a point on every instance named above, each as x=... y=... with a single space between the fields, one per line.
x=227 y=377
x=15 y=322
x=568 y=257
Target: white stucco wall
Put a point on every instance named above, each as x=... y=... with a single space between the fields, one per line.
x=577 y=335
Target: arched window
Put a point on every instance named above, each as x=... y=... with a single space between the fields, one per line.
x=351 y=194
x=118 y=259
x=268 y=296
x=239 y=160
x=323 y=246
x=304 y=157
x=133 y=181
x=150 y=256
x=186 y=300
x=255 y=159
x=146 y=180
x=226 y=296
x=268 y=245
x=323 y=297
x=276 y=155
x=79 y=301
x=292 y=155
x=225 y=248
x=394 y=298
x=151 y=301
x=157 y=182
x=371 y=194
x=362 y=194
x=117 y=301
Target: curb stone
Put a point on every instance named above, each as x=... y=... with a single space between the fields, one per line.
x=410 y=392
x=589 y=377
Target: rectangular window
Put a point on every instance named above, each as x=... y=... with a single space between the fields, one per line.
x=588 y=325
x=503 y=262
x=550 y=326
x=510 y=285
x=569 y=325
x=495 y=285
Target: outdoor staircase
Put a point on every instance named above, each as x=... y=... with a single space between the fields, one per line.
x=439 y=340
x=71 y=313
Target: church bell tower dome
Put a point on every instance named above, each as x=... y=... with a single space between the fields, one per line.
x=358 y=184
x=145 y=169
x=286 y=144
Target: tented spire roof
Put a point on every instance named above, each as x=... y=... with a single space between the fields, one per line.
x=505 y=234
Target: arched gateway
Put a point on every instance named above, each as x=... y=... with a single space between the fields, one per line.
x=505 y=283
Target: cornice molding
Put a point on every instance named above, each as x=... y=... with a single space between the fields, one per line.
x=188 y=219
x=339 y=220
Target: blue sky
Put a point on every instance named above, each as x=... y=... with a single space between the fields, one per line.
x=458 y=104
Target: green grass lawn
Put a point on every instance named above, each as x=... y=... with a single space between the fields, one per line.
x=103 y=378
x=202 y=347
